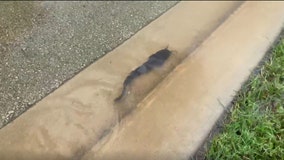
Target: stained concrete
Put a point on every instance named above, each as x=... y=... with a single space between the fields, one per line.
x=43 y=44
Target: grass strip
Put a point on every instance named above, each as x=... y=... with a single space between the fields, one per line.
x=255 y=127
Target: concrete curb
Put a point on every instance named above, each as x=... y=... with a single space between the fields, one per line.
x=172 y=122
x=71 y=120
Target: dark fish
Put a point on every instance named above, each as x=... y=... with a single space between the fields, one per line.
x=154 y=61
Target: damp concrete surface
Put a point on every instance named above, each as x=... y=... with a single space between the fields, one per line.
x=43 y=44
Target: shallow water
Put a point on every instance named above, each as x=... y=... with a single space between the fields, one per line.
x=144 y=84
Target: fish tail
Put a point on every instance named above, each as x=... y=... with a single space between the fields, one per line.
x=121 y=95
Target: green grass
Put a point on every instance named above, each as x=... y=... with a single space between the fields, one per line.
x=255 y=127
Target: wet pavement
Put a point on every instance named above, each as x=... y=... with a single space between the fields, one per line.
x=43 y=44
x=79 y=119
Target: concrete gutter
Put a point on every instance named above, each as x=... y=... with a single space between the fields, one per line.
x=172 y=121
x=176 y=117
